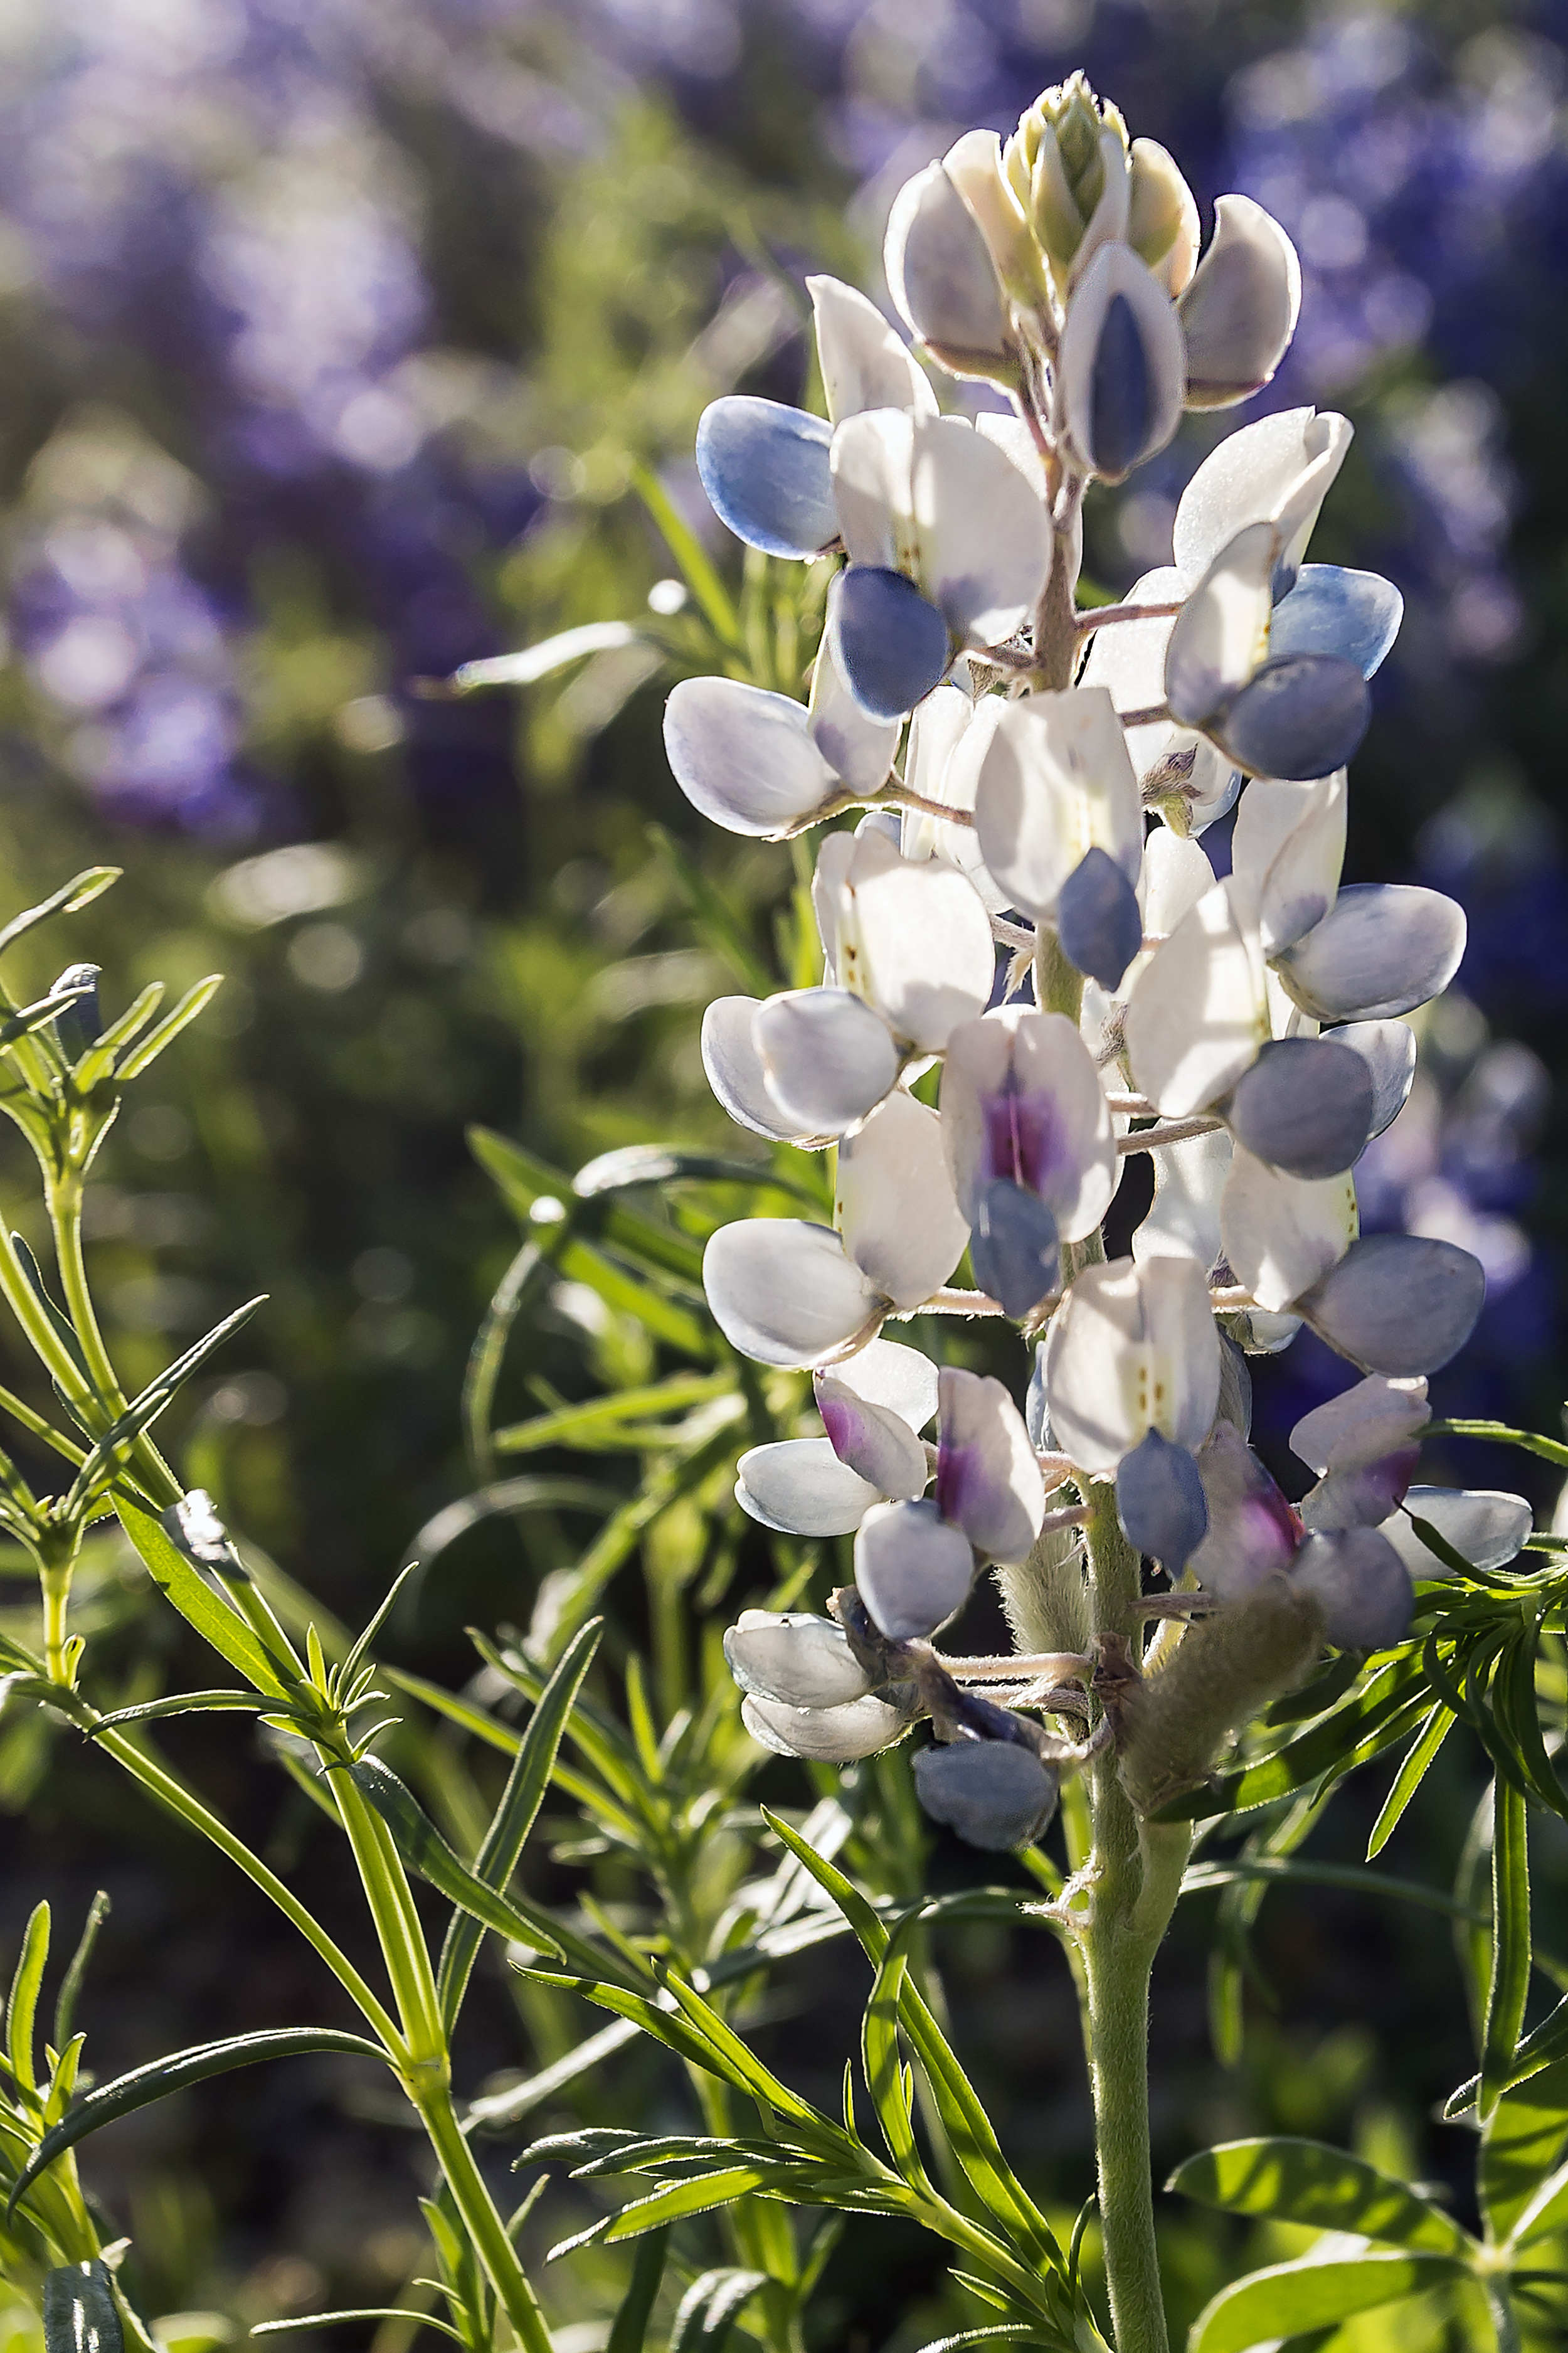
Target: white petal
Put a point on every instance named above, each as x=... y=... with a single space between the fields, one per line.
x=1184 y=1223
x=794 y=1656
x=863 y=363
x=1162 y=217
x=1221 y=633
x=915 y=941
x=826 y=1057
x=877 y=1444
x=744 y=757
x=799 y=1485
x=786 y=1292
x=1013 y=437
x=940 y=275
x=1485 y=1527
x=1132 y=1348
x=973 y=165
x=1383 y=949
x=1286 y=851
x=872 y=459
x=984 y=537
x=1033 y=1072
x=734 y=1070
x=988 y=1478
x=955 y=786
x=894 y=1207
x=824 y=1735
x=1056 y=781
x=935 y=730
x=1176 y=875
x=891 y=1374
x=1240 y=310
x=1361 y=1424
x=1282 y=1233
x=1198 y=1012
x=1251 y=476
x=1115 y=273
x=858 y=748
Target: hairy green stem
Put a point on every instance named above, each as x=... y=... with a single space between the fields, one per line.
x=426 y=2065
x=65 y=1201
x=1502 y=2315
x=1137 y=1872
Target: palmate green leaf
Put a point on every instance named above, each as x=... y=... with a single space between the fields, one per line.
x=1304 y=2182
x=424 y=1852
x=1360 y=1728
x=968 y=2128
x=630 y=2330
x=201 y=1604
x=80 y=2311
x=515 y=1815
x=1287 y=2300
x=195 y=1001
x=1413 y=1771
x=159 y=2077
x=1523 y=2142
x=1510 y=1987
x=710 y=2304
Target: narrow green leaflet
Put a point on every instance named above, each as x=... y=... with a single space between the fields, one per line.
x=159 y=2077
x=80 y=2311
x=666 y=1163
x=71 y=1983
x=488 y=1354
x=528 y=1493
x=630 y=2330
x=154 y=1711
x=515 y=1816
x=1354 y=1877
x=1510 y=1986
x=425 y=1851
x=69 y=899
x=493 y=2111
x=696 y=566
x=1549 y=1449
x=1524 y=2141
x=109 y=1451
x=597 y=1420
x=1304 y=2182
x=1411 y=1774
x=22 y=2003
x=1540 y=2048
x=1289 y=2299
x=358 y=2312
x=200 y=1604
x=522 y=1179
x=195 y=1001
x=712 y=2302
x=1546 y=2212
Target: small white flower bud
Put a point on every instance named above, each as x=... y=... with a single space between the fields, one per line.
x=794 y=1657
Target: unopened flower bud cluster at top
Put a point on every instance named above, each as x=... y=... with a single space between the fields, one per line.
x=1027 y=900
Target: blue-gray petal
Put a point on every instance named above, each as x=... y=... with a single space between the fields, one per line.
x=1160 y=1503
x=764 y=468
x=1305 y=1106
x=890 y=644
x=1388 y=1049
x=1014 y=1247
x=1331 y=610
x=1098 y=919
x=1361 y=1585
x=1122 y=392
x=1397 y=1303
x=995 y=1793
x=1299 y=716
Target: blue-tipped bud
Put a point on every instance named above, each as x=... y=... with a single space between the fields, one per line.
x=1160 y=1503
x=1331 y=610
x=1120 y=394
x=912 y=1569
x=1388 y=1049
x=1300 y=717
x=80 y=1025
x=1098 y=919
x=1014 y=1247
x=1360 y=1583
x=1305 y=1106
x=996 y=1794
x=890 y=644
x=1397 y=1303
x=764 y=468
